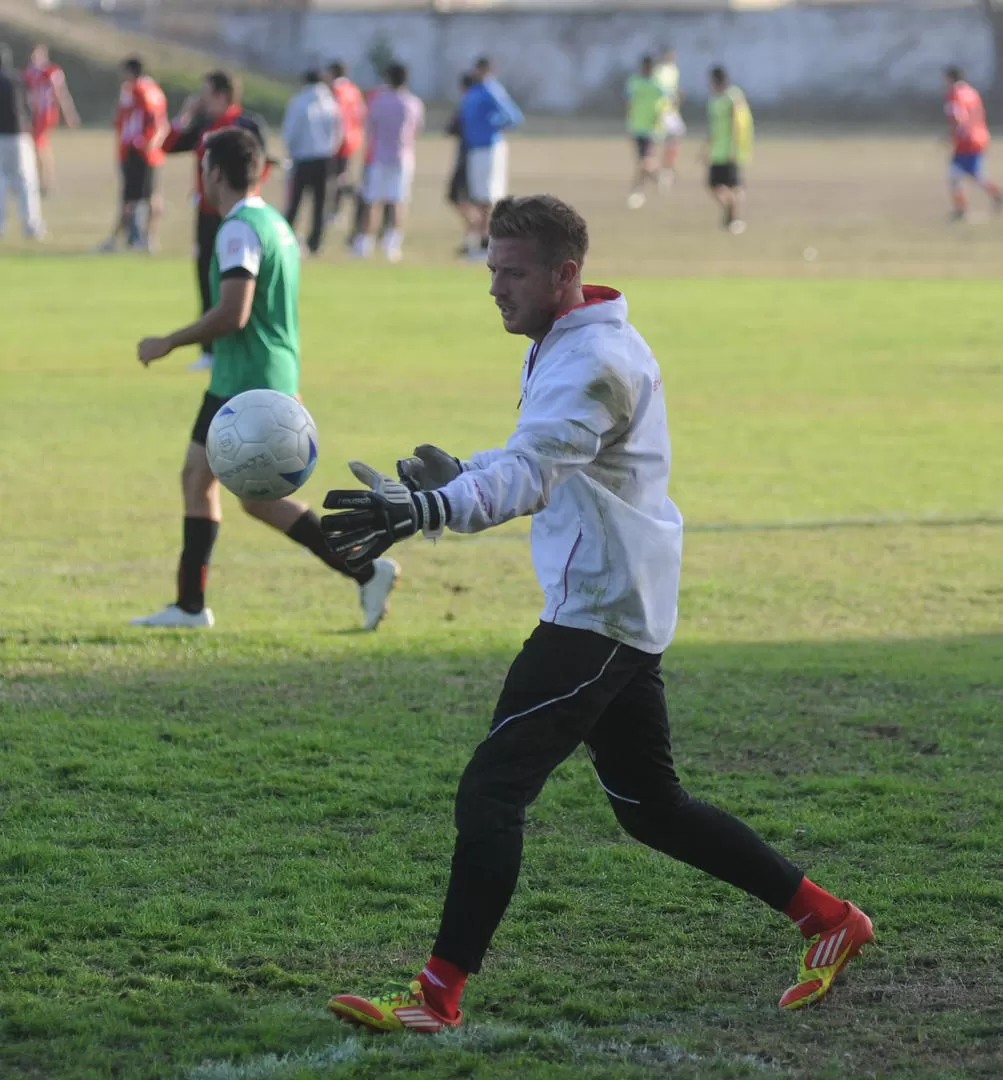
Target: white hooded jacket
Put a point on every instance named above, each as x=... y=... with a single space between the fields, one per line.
x=590 y=460
x=312 y=127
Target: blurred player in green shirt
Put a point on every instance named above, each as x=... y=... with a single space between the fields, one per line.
x=673 y=128
x=729 y=146
x=646 y=103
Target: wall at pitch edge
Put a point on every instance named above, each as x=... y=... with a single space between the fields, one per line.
x=802 y=62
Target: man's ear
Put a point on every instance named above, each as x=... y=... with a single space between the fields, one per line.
x=569 y=272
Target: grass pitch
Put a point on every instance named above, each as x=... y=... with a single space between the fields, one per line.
x=202 y=836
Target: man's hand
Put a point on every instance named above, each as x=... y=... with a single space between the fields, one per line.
x=428 y=469
x=370 y=521
x=189 y=108
x=153 y=348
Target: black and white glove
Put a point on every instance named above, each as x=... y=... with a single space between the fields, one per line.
x=429 y=468
x=370 y=521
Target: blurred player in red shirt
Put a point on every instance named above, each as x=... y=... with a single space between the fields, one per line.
x=140 y=128
x=48 y=97
x=217 y=106
x=969 y=136
x=352 y=106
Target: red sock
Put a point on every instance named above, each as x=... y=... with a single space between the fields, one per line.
x=443 y=984
x=814 y=910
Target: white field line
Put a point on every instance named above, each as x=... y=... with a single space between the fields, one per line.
x=269 y=1066
x=877 y=521
x=656 y=1056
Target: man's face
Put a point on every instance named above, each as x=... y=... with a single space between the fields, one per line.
x=214 y=103
x=526 y=290
x=39 y=56
x=210 y=181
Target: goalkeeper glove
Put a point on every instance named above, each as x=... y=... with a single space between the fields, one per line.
x=428 y=469
x=370 y=521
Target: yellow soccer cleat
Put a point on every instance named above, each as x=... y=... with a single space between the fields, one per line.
x=400 y=1009
x=825 y=956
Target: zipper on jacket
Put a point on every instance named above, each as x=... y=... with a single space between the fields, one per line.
x=530 y=364
x=567 y=567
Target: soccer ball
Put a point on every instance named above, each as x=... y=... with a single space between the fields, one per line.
x=262 y=445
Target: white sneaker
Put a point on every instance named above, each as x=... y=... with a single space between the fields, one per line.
x=393 y=245
x=373 y=596
x=173 y=617
x=202 y=363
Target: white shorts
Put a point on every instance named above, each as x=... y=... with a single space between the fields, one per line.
x=487 y=173
x=388 y=183
x=673 y=126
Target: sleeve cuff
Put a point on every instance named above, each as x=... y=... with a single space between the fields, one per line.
x=434 y=512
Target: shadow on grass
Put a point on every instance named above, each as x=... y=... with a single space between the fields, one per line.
x=203 y=838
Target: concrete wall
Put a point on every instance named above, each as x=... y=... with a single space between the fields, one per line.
x=838 y=60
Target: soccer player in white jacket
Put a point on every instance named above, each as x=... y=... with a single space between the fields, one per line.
x=589 y=459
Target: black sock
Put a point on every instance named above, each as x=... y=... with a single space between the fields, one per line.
x=306 y=530
x=199 y=536
x=361 y=216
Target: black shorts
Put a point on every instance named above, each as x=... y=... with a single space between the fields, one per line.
x=139 y=177
x=211 y=404
x=727 y=175
x=644 y=144
x=458 y=191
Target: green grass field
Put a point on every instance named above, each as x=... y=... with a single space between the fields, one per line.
x=203 y=836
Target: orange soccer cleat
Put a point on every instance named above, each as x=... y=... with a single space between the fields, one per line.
x=825 y=956
x=401 y=1009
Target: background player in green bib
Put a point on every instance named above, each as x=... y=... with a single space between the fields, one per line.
x=729 y=144
x=646 y=103
x=673 y=128
x=254 y=324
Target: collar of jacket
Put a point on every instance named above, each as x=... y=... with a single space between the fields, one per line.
x=601 y=304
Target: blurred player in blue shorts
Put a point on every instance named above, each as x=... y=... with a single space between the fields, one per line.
x=969 y=137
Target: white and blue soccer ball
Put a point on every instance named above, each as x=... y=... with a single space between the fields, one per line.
x=262 y=445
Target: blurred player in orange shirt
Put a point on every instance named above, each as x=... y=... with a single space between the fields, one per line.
x=141 y=126
x=361 y=221
x=48 y=98
x=352 y=106
x=969 y=136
